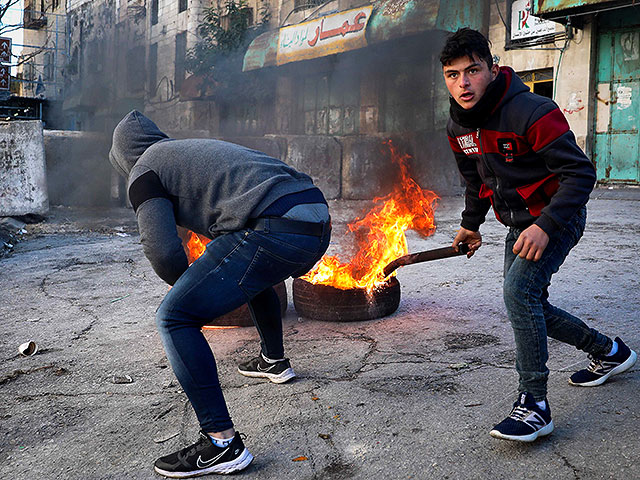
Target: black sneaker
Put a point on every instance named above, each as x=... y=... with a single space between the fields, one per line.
x=602 y=367
x=526 y=422
x=278 y=372
x=203 y=457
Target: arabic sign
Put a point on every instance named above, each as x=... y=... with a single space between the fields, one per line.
x=335 y=33
x=524 y=25
x=558 y=8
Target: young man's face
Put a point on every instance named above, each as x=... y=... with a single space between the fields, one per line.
x=467 y=79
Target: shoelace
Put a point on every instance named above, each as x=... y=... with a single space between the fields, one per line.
x=189 y=451
x=595 y=363
x=519 y=413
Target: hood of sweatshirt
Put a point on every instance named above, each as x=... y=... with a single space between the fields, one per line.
x=131 y=138
x=515 y=86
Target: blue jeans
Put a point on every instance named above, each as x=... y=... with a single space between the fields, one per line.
x=236 y=268
x=531 y=315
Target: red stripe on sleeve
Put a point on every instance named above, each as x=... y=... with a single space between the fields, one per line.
x=454 y=145
x=547 y=129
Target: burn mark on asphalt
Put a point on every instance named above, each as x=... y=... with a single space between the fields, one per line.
x=18 y=373
x=336 y=470
x=412 y=384
x=464 y=341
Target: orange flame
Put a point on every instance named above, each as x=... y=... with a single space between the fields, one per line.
x=379 y=236
x=194 y=246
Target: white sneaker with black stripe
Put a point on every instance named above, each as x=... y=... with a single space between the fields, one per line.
x=526 y=422
x=602 y=367
x=278 y=371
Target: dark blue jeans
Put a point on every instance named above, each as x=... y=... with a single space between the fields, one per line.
x=236 y=268
x=531 y=315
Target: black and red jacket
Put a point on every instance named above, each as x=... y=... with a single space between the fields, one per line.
x=523 y=161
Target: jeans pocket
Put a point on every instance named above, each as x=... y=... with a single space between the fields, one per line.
x=267 y=269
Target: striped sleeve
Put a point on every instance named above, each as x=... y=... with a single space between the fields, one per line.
x=551 y=137
x=547 y=129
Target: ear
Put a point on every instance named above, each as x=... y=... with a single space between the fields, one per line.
x=495 y=70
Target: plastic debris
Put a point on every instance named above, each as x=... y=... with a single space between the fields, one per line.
x=28 y=349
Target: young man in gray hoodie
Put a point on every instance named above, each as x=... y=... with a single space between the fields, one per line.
x=267 y=222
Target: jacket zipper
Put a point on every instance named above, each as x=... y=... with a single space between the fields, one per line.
x=498 y=188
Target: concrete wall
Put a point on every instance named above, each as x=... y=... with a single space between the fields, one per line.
x=78 y=168
x=23 y=182
x=352 y=167
x=359 y=167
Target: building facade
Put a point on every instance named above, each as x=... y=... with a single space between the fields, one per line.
x=331 y=81
x=586 y=56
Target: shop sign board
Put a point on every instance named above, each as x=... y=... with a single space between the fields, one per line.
x=336 y=33
x=526 y=26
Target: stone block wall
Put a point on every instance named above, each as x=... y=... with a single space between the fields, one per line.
x=23 y=180
x=359 y=167
x=350 y=168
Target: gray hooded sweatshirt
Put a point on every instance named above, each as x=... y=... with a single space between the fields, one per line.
x=207 y=186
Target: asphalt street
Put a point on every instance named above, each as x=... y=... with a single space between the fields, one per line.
x=409 y=396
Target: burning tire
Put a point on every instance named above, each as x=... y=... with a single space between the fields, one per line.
x=241 y=316
x=322 y=302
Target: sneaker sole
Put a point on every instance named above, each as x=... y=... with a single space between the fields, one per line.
x=236 y=465
x=546 y=430
x=283 y=377
x=623 y=367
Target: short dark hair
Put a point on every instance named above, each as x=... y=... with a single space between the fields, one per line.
x=466 y=43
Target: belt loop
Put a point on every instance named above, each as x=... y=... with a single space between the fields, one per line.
x=266 y=225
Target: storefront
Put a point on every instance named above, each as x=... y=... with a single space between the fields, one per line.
x=615 y=80
x=361 y=75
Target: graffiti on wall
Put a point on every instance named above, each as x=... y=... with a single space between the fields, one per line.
x=574 y=104
x=630 y=42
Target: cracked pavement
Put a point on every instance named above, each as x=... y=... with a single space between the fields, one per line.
x=409 y=396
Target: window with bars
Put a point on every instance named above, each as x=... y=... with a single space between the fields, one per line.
x=48 y=67
x=154 y=12
x=153 y=69
x=182 y=5
x=304 y=4
x=539 y=81
x=407 y=104
x=135 y=69
x=181 y=54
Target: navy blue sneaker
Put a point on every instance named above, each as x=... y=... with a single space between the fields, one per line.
x=526 y=422
x=603 y=367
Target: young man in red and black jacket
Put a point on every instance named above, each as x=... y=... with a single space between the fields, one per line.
x=517 y=154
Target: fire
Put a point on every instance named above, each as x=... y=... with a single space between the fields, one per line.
x=379 y=235
x=194 y=246
x=218 y=327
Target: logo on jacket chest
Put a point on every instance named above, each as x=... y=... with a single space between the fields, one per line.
x=507 y=147
x=469 y=144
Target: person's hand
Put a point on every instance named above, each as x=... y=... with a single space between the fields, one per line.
x=531 y=243
x=471 y=238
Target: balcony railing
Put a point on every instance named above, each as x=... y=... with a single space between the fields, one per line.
x=33 y=19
